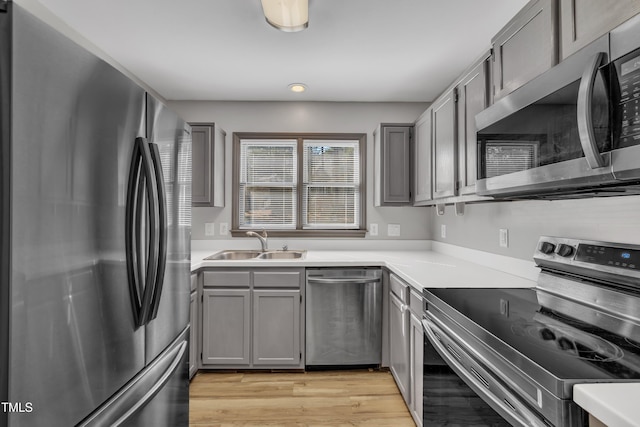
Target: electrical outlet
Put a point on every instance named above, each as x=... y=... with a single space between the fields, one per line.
x=373 y=229
x=504 y=238
x=209 y=228
x=393 y=230
x=443 y=231
x=224 y=228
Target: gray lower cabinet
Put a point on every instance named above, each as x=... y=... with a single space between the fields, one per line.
x=226 y=326
x=193 y=327
x=393 y=167
x=583 y=21
x=276 y=327
x=444 y=145
x=252 y=318
x=207 y=163
x=422 y=130
x=399 y=337
x=526 y=47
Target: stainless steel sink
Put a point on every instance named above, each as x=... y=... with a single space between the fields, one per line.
x=281 y=255
x=250 y=254
x=233 y=255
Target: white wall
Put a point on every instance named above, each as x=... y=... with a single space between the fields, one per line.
x=612 y=219
x=307 y=117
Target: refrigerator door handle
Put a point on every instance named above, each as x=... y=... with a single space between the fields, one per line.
x=139 y=263
x=162 y=230
x=141 y=389
x=132 y=233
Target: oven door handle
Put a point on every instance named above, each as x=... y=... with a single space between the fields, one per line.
x=513 y=407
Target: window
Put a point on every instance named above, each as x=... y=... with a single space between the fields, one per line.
x=290 y=184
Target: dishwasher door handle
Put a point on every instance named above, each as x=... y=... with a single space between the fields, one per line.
x=344 y=281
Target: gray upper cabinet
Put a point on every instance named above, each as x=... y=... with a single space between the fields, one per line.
x=444 y=145
x=207 y=162
x=526 y=47
x=473 y=97
x=393 y=168
x=422 y=159
x=583 y=21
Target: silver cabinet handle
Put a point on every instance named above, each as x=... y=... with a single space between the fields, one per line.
x=585 y=121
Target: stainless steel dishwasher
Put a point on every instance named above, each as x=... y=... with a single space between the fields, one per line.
x=343 y=316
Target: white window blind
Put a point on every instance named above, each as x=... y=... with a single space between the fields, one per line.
x=268 y=184
x=331 y=184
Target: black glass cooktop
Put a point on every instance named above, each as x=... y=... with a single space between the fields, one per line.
x=567 y=347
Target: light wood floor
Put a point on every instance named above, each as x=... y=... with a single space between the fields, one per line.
x=321 y=398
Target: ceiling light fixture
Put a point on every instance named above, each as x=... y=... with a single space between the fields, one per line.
x=297 y=87
x=287 y=15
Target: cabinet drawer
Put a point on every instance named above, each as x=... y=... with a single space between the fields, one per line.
x=277 y=279
x=399 y=288
x=226 y=278
x=415 y=303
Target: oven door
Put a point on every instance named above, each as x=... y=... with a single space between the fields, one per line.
x=459 y=388
x=553 y=134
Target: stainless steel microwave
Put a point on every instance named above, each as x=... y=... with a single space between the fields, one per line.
x=572 y=131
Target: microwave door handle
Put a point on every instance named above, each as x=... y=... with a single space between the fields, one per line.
x=585 y=120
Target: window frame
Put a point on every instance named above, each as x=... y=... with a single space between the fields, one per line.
x=299 y=231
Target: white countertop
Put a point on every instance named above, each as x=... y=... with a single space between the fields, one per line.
x=420 y=268
x=616 y=405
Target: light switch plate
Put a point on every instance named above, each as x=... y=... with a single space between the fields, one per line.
x=393 y=230
x=224 y=228
x=209 y=228
x=504 y=238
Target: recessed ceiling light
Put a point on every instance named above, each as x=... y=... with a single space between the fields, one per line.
x=297 y=87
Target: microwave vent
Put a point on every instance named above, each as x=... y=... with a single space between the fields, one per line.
x=502 y=158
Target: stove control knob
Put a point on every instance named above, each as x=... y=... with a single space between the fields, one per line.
x=547 y=248
x=565 y=250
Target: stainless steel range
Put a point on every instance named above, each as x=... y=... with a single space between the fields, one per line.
x=515 y=354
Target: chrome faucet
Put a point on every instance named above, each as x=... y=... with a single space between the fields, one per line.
x=263 y=238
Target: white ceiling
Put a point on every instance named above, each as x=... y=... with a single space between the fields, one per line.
x=353 y=50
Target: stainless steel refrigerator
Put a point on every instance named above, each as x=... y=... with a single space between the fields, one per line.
x=95 y=217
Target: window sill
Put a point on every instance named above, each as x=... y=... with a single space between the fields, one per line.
x=304 y=233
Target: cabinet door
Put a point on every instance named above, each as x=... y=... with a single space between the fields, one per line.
x=193 y=335
x=393 y=165
x=276 y=327
x=207 y=163
x=416 y=349
x=444 y=145
x=583 y=21
x=399 y=345
x=226 y=326
x=422 y=168
x=472 y=99
x=526 y=47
